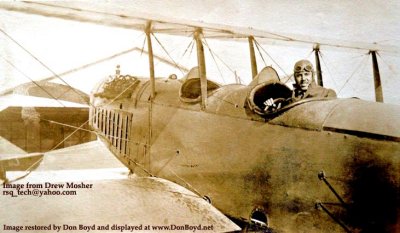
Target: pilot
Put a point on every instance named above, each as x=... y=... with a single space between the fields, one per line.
x=305 y=87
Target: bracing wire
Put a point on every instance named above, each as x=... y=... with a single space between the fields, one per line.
x=164 y=58
x=329 y=70
x=97 y=62
x=308 y=56
x=187 y=48
x=54 y=74
x=223 y=62
x=259 y=52
x=191 y=49
x=215 y=61
x=362 y=69
x=271 y=58
x=144 y=42
x=351 y=76
x=288 y=78
x=177 y=66
x=28 y=170
x=40 y=62
x=26 y=76
x=389 y=67
x=76 y=129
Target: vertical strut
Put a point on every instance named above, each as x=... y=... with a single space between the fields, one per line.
x=152 y=95
x=151 y=58
x=202 y=67
x=253 y=60
x=318 y=66
x=377 y=78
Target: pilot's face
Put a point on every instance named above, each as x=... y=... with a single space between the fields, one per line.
x=303 y=79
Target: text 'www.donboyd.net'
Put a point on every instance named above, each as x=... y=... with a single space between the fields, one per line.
x=108 y=227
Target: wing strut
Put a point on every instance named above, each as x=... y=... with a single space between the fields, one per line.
x=151 y=58
x=202 y=67
x=318 y=66
x=253 y=60
x=377 y=78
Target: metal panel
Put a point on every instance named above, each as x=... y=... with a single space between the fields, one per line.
x=128 y=134
x=103 y=121
x=119 y=131
x=112 y=137
x=108 y=124
x=116 y=118
x=365 y=118
x=94 y=117
x=123 y=134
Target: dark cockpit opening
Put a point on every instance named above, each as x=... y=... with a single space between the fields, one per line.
x=264 y=91
x=190 y=91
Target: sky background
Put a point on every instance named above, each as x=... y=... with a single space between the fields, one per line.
x=64 y=45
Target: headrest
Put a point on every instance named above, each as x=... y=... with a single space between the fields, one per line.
x=267 y=74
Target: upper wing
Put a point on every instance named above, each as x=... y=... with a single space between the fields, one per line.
x=121 y=16
x=109 y=196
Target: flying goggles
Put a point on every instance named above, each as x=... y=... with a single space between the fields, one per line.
x=301 y=68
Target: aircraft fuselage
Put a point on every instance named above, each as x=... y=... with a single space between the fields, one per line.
x=247 y=165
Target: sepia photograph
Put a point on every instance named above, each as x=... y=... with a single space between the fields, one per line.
x=200 y=116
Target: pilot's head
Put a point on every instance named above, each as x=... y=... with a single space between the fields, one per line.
x=303 y=74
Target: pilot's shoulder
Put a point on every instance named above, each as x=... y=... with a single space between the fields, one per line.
x=331 y=93
x=319 y=91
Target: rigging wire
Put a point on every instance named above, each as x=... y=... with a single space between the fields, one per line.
x=329 y=71
x=92 y=63
x=187 y=184
x=26 y=76
x=226 y=101
x=358 y=67
x=259 y=52
x=191 y=49
x=215 y=61
x=289 y=78
x=177 y=66
x=44 y=65
x=271 y=58
x=28 y=170
x=164 y=58
x=392 y=72
x=190 y=44
x=98 y=61
x=55 y=75
x=308 y=56
x=361 y=76
x=187 y=48
x=389 y=67
x=223 y=62
x=144 y=42
x=115 y=98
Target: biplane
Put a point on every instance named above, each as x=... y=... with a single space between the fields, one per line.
x=316 y=165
